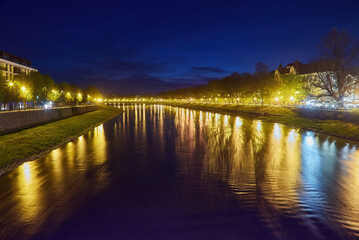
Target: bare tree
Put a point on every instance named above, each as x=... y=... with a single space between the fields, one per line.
x=261 y=69
x=263 y=80
x=337 y=69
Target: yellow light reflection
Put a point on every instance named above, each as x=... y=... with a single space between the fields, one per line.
x=29 y=192
x=56 y=157
x=99 y=145
x=226 y=117
x=292 y=135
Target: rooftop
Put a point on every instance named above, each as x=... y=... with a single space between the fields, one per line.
x=301 y=68
x=15 y=59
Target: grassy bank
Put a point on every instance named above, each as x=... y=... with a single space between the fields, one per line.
x=285 y=116
x=30 y=143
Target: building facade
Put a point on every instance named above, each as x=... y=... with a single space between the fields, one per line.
x=308 y=71
x=11 y=66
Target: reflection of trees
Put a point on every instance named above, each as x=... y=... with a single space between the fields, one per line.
x=259 y=161
x=348 y=182
x=276 y=172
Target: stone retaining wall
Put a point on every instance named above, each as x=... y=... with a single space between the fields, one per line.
x=17 y=120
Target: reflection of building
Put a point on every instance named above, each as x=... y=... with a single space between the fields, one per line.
x=308 y=71
x=10 y=65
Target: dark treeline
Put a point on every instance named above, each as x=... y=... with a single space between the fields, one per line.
x=36 y=89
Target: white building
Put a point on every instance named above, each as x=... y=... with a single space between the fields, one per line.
x=10 y=66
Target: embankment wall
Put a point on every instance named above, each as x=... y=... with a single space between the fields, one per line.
x=17 y=120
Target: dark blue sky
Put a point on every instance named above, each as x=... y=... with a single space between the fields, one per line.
x=128 y=47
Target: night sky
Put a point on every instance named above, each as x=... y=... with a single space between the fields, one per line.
x=141 y=47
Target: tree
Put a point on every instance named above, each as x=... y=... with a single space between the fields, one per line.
x=67 y=92
x=9 y=91
x=339 y=56
x=264 y=81
x=261 y=69
x=24 y=87
x=291 y=88
x=38 y=85
x=49 y=86
x=3 y=86
x=92 y=93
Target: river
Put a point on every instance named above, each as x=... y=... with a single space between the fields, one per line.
x=161 y=172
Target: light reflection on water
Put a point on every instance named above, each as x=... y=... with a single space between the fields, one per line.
x=284 y=171
x=292 y=181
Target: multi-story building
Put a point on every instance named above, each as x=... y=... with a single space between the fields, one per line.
x=308 y=71
x=10 y=66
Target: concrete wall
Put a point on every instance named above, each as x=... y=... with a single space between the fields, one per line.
x=16 y=120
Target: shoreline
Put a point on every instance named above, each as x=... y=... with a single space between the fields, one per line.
x=105 y=114
x=284 y=115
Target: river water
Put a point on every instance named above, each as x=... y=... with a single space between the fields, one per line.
x=160 y=172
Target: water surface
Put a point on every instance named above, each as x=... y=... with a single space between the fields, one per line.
x=159 y=172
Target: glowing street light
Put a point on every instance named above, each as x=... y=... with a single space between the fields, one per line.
x=23 y=89
x=276 y=99
x=11 y=84
x=291 y=98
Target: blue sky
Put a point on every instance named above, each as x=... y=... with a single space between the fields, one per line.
x=141 y=47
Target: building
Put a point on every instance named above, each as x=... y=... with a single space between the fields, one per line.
x=308 y=71
x=11 y=65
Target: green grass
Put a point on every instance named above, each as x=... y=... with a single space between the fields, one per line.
x=19 y=146
x=285 y=116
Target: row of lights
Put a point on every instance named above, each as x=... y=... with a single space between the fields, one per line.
x=23 y=88
x=291 y=98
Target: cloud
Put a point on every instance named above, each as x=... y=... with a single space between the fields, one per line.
x=128 y=73
x=207 y=69
x=137 y=84
x=195 y=79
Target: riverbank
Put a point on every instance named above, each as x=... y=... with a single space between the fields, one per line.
x=285 y=115
x=32 y=143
